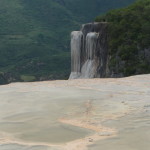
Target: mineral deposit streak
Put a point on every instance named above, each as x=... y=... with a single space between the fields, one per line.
x=76 y=46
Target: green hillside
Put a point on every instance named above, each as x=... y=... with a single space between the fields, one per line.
x=129 y=38
x=34 y=35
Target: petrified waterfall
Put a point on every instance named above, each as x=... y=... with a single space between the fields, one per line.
x=89 y=50
x=76 y=46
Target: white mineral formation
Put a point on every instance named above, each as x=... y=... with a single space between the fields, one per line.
x=87 y=56
x=83 y=114
x=76 y=46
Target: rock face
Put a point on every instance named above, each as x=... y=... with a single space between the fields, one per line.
x=6 y=78
x=89 y=51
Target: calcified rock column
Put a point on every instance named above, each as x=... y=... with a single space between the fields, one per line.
x=89 y=67
x=89 y=51
x=76 y=46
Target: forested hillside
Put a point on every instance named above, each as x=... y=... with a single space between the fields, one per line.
x=129 y=38
x=35 y=34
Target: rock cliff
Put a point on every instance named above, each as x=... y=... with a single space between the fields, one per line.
x=92 y=56
x=89 y=51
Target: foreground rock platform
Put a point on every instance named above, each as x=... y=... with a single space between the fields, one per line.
x=81 y=114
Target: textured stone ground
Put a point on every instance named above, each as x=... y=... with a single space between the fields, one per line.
x=93 y=114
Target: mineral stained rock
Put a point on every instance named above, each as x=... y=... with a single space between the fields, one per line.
x=89 y=51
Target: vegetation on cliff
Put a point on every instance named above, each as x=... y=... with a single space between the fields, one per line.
x=129 y=38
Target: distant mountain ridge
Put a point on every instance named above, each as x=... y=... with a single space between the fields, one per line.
x=34 y=35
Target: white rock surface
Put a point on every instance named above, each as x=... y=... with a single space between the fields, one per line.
x=57 y=115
